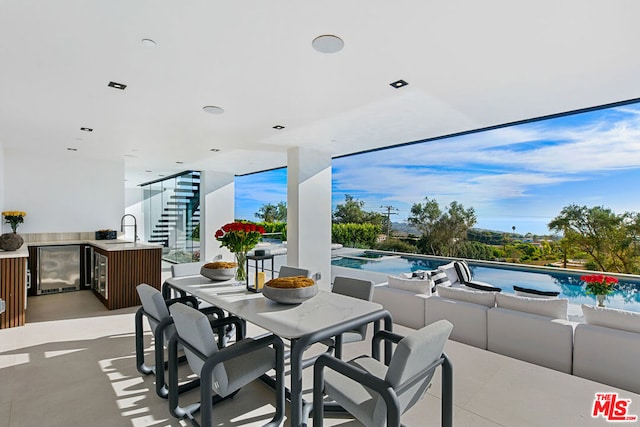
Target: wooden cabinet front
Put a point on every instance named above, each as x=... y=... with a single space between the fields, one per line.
x=125 y=271
x=13 y=286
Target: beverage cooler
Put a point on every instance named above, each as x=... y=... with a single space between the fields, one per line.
x=58 y=269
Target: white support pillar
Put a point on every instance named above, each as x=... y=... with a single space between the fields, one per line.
x=309 y=212
x=217 y=193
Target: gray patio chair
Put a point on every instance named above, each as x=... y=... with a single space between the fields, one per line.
x=287 y=271
x=156 y=309
x=377 y=395
x=186 y=269
x=356 y=288
x=222 y=372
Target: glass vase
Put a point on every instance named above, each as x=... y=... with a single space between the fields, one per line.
x=241 y=270
x=600 y=299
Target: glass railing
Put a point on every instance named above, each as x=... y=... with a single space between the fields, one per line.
x=172 y=216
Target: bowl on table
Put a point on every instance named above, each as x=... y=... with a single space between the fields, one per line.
x=219 y=270
x=290 y=290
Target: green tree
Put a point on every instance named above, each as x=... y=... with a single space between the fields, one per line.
x=610 y=240
x=442 y=232
x=272 y=213
x=351 y=212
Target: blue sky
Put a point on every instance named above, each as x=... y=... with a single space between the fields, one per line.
x=518 y=176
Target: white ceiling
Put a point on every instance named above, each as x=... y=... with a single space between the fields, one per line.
x=469 y=65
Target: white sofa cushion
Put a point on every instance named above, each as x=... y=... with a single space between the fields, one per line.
x=537 y=339
x=416 y=285
x=488 y=299
x=407 y=308
x=555 y=308
x=469 y=320
x=612 y=318
x=608 y=356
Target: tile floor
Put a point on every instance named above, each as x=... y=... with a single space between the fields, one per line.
x=73 y=364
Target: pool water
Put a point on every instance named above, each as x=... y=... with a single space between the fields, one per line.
x=626 y=296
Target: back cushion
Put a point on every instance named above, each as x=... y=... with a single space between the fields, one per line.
x=464 y=273
x=450 y=270
x=612 y=318
x=194 y=327
x=418 y=286
x=488 y=299
x=440 y=278
x=555 y=308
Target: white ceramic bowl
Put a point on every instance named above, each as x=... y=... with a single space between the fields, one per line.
x=218 y=273
x=290 y=295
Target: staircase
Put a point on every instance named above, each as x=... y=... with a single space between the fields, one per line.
x=180 y=213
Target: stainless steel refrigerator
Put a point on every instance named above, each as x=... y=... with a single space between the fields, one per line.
x=58 y=269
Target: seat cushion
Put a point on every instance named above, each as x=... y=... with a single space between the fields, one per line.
x=487 y=299
x=353 y=396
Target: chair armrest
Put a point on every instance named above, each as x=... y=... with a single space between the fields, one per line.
x=378 y=385
x=386 y=336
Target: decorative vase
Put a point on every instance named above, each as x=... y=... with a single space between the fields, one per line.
x=10 y=241
x=241 y=271
x=600 y=299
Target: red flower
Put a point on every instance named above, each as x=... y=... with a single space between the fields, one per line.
x=239 y=236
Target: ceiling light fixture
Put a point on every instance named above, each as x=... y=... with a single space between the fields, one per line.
x=215 y=150
x=116 y=85
x=86 y=129
x=398 y=84
x=278 y=127
x=179 y=163
x=71 y=149
x=148 y=42
x=212 y=109
x=327 y=43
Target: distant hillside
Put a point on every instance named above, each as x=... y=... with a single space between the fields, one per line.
x=491 y=237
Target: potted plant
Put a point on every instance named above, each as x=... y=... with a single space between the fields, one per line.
x=12 y=241
x=599 y=285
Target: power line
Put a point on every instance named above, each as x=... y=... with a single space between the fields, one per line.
x=389 y=208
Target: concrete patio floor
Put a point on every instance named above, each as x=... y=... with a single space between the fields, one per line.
x=74 y=364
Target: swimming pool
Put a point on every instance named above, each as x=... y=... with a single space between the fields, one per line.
x=626 y=296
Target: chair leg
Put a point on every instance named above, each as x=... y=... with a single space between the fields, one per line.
x=447 y=393
x=140 y=365
x=318 y=395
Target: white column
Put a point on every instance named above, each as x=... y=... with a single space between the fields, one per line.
x=217 y=192
x=309 y=212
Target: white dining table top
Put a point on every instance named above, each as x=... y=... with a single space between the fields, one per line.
x=325 y=310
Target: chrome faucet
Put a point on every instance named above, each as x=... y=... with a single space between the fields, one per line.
x=135 y=226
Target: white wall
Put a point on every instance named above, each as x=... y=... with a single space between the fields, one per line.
x=217 y=192
x=63 y=193
x=309 y=212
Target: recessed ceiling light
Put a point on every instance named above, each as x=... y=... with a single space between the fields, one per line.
x=399 y=84
x=148 y=171
x=116 y=85
x=179 y=163
x=327 y=43
x=148 y=42
x=71 y=149
x=215 y=150
x=86 y=129
x=278 y=127
x=212 y=109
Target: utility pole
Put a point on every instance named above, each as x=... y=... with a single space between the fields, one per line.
x=389 y=208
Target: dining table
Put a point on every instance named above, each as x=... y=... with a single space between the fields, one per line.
x=317 y=319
